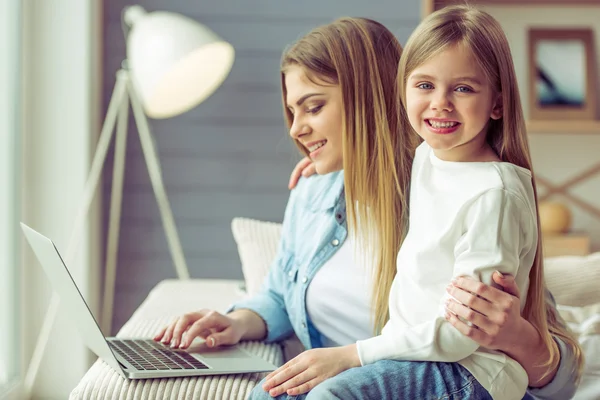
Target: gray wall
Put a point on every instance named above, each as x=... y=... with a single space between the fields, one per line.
x=231 y=155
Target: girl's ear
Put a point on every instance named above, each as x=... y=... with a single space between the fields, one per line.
x=497 y=109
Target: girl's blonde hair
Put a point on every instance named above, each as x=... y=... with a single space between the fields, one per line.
x=361 y=56
x=477 y=30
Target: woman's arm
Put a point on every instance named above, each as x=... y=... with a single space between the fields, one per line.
x=262 y=316
x=269 y=304
x=499 y=326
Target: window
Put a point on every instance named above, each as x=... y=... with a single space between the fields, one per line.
x=9 y=204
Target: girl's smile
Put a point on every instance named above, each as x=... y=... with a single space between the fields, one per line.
x=441 y=126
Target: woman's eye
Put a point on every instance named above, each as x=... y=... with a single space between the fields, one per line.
x=425 y=86
x=464 y=89
x=314 y=110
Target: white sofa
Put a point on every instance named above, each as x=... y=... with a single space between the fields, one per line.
x=574 y=281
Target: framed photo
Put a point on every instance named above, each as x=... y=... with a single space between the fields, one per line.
x=562 y=74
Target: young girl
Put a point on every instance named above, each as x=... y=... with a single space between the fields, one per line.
x=473 y=201
x=473 y=211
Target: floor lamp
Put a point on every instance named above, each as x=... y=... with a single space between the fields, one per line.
x=173 y=64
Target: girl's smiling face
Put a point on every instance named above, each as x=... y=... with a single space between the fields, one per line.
x=449 y=103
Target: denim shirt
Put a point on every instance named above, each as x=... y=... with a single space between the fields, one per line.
x=314 y=227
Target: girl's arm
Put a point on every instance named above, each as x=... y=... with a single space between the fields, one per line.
x=494 y=239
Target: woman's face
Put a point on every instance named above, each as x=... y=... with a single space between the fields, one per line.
x=317 y=118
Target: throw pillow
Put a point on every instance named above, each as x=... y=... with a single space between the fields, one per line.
x=573 y=280
x=257 y=243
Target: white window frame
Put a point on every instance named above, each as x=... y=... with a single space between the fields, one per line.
x=10 y=255
x=61 y=105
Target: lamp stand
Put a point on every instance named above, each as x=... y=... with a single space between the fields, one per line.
x=153 y=164
x=117 y=113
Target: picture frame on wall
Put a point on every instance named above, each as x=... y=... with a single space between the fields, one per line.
x=562 y=74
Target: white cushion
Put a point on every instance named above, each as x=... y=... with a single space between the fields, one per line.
x=585 y=323
x=257 y=243
x=574 y=280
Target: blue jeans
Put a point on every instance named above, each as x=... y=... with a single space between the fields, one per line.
x=392 y=380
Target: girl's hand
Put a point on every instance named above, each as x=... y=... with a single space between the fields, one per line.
x=495 y=315
x=310 y=368
x=217 y=329
x=305 y=168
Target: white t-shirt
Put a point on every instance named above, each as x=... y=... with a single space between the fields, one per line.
x=466 y=218
x=338 y=299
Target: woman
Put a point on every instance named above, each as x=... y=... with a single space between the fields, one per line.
x=340 y=104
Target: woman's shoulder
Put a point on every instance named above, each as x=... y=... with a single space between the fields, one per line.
x=319 y=192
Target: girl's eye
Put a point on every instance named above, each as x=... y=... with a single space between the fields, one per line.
x=464 y=89
x=425 y=86
x=314 y=110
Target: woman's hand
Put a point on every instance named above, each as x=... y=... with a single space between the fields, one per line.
x=305 y=168
x=494 y=315
x=217 y=329
x=496 y=323
x=304 y=372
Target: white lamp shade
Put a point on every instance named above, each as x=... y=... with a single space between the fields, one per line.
x=174 y=61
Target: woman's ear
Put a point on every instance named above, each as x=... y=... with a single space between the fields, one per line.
x=497 y=109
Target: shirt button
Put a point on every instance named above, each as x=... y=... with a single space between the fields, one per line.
x=335 y=242
x=290 y=274
x=304 y=280
x=304 y=325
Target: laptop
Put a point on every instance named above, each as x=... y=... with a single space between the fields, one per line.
x=137 y=358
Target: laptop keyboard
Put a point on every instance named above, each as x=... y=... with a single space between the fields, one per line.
x=150 y=355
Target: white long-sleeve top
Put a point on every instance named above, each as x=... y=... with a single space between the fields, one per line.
x=466 y=218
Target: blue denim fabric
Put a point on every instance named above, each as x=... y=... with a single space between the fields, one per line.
x=392 y=380
x=314 y=227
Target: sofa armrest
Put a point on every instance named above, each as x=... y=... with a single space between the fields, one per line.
x=173 y=297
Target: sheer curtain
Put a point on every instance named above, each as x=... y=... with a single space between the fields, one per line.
x=10 y=17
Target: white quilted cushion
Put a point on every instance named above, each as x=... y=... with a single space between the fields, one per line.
x=574 y=280
x=257 y=243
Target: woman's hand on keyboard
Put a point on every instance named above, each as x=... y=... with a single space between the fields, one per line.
x=217 y=329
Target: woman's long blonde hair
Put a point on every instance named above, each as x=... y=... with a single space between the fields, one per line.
x=482 y=34
x=361 y=56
